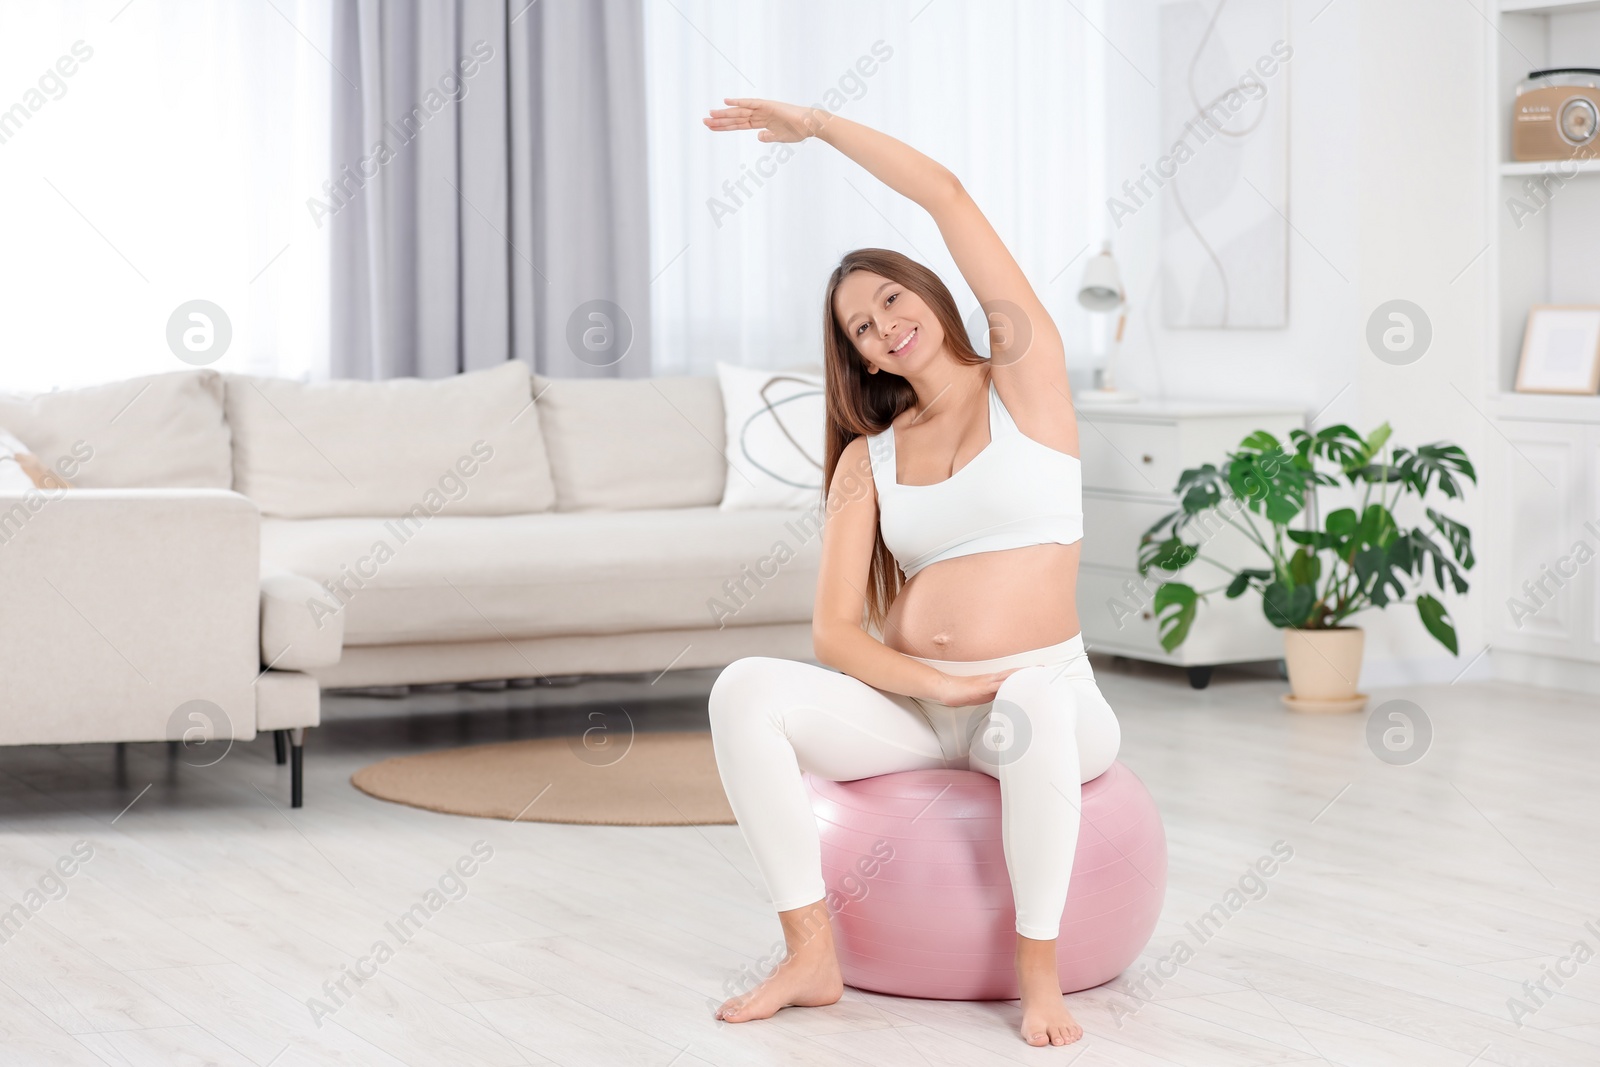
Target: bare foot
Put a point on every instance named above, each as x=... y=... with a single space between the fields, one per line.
x=1045 y=1018
x=808 y=980
x=808 y=976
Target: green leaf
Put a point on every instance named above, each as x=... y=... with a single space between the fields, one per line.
x=1342 y=523
x=1375 y=567
x=1269 y=484
x=1201 y=497
x=1438 y=624
x=1377 y=526
x=1241 y=582
x=1338 y=444
x=1377 y=439
x=1459 y=536
x=1423 y=549
x=1261 y=441
x=1376 y=473
x=1287 y=605
x=1200 y=488
x=1305 y=568
x=1174 y=605
x=1403 y=555
x=1438 y=460
x=1171 y=555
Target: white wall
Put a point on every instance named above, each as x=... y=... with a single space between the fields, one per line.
x=1386 y=200
x=1423 y=230
x=1305 y=363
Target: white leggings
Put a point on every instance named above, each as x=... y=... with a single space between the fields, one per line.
x=1048 y=731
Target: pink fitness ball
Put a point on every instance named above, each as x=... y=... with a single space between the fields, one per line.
x=921 y=900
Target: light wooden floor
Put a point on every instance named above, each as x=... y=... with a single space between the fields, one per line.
x=1418 y=901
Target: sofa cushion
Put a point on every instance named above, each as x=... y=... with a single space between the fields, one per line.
x=620 y=444
x=161 y=431
x=292 y=639
x=465 y=445
x=468 y=578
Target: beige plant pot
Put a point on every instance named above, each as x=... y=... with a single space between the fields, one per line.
x=1324 y=668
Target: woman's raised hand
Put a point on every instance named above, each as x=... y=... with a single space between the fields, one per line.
x=777 y=121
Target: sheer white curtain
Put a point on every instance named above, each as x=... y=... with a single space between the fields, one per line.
x=153 y=153
x=1005 y=93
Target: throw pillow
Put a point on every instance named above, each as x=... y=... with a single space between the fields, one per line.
x=159 y=431
x=469 y=443
x=775 y=422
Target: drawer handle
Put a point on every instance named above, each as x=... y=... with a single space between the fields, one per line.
x=1145 y=615
x=1147 y=458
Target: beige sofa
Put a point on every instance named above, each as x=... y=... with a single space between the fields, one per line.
x=244 y=541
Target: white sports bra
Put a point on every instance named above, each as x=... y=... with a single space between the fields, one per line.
x=1016 y=492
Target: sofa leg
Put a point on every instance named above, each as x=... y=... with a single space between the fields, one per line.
x=297 y=752
x=280 y=746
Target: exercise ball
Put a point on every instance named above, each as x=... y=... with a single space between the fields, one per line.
x=921 y=900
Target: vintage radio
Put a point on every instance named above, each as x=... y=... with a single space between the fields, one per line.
x=1557 y=115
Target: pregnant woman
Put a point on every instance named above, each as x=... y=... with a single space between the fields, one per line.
x=945 y=601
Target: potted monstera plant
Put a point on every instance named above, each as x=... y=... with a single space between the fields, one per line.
x=1317 y=568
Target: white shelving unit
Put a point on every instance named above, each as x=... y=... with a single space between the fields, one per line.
x=1547 y=7
x=1542 y=472
x=1560 y=170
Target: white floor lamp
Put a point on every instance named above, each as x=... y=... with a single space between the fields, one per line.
x=1102 y=291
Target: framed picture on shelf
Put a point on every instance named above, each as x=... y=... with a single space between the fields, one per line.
x=1560 y=350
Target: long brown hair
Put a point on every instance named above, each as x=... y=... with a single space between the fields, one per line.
x=861 y=403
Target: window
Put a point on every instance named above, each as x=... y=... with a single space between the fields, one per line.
x=744 y=234
x=154 y=153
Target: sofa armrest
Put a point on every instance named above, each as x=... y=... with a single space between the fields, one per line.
x=122 y=608
x=293 y=636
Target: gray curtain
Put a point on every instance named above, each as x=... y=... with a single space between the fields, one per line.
x=489 y=198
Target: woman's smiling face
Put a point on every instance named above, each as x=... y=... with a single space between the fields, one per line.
x=889 y=324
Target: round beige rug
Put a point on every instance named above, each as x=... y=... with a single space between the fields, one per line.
x=651 y=779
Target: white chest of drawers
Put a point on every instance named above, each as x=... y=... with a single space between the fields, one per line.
x=1132 y=457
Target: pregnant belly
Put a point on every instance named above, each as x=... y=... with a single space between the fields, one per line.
x=987 y=605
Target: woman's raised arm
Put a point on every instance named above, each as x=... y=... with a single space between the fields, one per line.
x=1029 y=364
